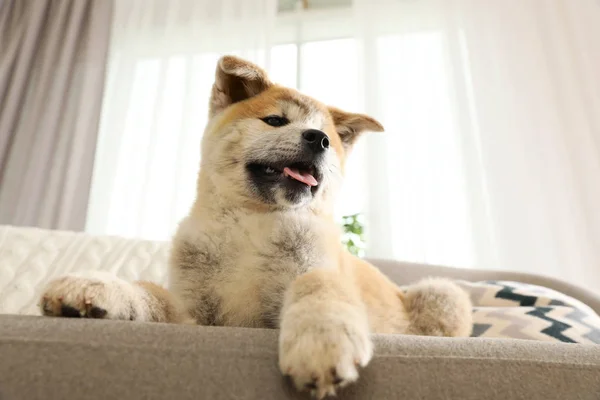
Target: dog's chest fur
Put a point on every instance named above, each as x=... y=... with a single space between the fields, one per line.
x=234 y=270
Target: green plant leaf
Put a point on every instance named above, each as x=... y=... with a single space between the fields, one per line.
x=353 y=233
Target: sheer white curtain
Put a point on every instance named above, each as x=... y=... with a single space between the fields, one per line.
x=492 y=156
x=161 y=64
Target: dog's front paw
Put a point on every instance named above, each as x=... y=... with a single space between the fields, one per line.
x=100 y=296
x=323 y=354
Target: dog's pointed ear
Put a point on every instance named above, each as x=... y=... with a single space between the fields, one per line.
x=236 y=80
x=349 y=125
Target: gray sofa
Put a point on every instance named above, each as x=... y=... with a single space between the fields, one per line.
x=47 y=358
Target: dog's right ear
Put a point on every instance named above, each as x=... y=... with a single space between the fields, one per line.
x=236 y=80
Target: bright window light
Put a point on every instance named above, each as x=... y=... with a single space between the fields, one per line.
x=426 y=185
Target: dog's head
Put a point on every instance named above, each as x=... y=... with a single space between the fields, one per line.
x=272 y=147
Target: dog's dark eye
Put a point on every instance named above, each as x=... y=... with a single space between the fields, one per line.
x=275 y=120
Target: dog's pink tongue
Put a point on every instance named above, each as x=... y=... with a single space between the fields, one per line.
x=303 y=177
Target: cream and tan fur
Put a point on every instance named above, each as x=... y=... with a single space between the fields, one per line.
x=259 y=250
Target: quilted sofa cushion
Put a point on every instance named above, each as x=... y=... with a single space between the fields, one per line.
x=29 y=257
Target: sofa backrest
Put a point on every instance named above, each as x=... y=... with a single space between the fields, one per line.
x=30 y=257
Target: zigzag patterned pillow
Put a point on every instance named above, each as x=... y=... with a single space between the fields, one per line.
x=521 y=311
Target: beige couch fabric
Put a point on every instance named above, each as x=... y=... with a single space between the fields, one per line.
x=48 y=358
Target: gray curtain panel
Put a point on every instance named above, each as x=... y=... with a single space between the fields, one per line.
x=53 y=57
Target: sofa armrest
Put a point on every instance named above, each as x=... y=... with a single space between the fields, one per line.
x=51 y=358
x=403 y=273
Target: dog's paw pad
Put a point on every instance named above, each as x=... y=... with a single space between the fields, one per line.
x=97 y=312
x=70 y=312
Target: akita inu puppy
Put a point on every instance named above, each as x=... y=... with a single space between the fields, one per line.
x=260 y=247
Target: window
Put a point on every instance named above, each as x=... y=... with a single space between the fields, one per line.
x=408 y=182
x=426 y=186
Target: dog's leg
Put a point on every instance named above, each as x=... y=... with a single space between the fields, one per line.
x=102 y=295
x=324 y=334
x=438 y=307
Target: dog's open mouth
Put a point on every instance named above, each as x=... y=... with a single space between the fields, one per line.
x=302 y=172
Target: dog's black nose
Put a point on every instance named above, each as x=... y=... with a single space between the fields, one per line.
x=315 y=139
